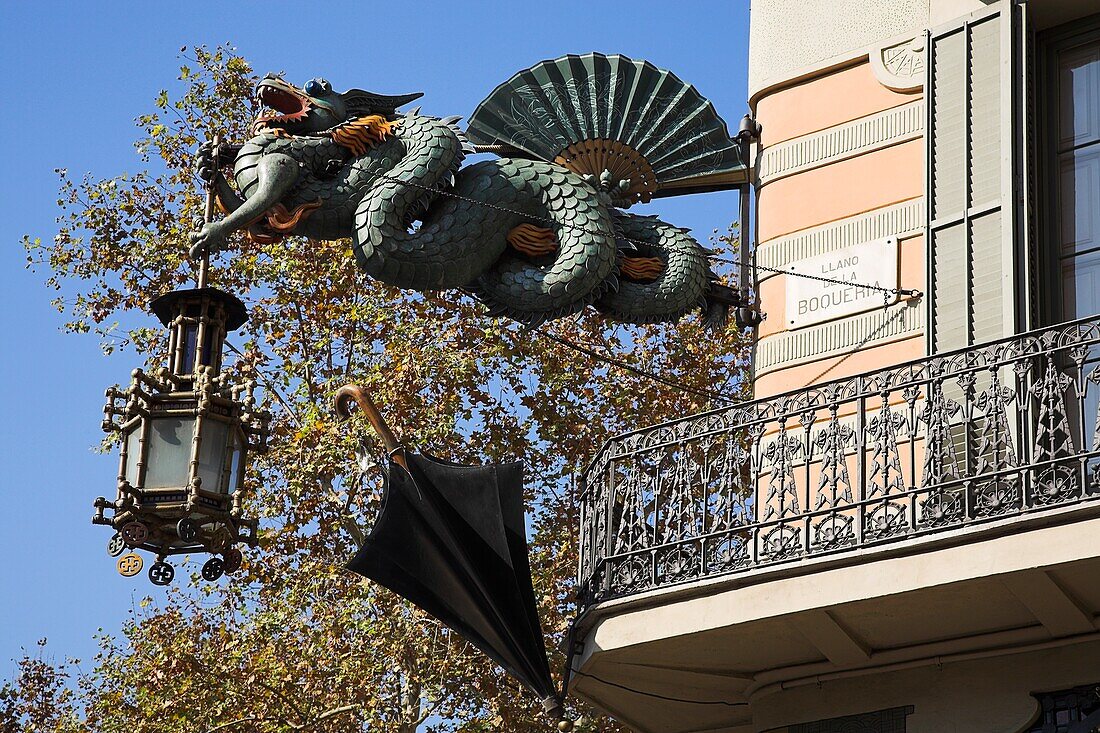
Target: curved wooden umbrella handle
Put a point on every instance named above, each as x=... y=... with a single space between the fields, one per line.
x=354 y=393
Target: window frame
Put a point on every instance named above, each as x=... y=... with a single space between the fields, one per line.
x=1046 y=249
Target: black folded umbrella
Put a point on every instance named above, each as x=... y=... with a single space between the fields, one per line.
x=450 y=538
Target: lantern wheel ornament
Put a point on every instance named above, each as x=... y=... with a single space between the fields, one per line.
x=129 y=565
x=231 y=560
x=187 y=529
x=134 y=534
x=116 y=546
x=161 y=573
x=213 y=568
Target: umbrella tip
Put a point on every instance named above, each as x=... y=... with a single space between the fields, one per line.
x=555 y=710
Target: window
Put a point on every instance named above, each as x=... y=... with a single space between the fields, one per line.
x=1070 y=169
x=1068 y=151
x=977 y=243
x=1069 y=711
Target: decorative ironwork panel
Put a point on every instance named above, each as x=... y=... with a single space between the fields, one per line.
x=946 y=442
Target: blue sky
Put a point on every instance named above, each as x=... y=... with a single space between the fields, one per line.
x=77 y=76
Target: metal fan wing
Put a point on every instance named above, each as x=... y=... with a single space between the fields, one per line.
x=595 y=113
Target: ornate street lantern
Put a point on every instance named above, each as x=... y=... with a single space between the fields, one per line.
x=186 y=435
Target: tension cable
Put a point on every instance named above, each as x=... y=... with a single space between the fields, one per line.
x=593 y=353
x=628 y=240
x=658 y=696
x=909 y=292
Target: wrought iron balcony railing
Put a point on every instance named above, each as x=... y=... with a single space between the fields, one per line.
x=951 y=441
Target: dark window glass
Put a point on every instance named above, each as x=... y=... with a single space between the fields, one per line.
x=1076 y=167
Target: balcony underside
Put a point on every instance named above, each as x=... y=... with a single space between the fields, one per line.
x=751 y=639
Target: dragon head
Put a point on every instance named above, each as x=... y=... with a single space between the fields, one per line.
x=316 y=107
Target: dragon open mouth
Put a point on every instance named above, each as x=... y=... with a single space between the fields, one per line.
x=291 y=106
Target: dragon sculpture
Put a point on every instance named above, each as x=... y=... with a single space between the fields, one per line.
x=533 y=239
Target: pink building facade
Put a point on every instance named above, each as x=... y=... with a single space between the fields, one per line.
x=901 y=532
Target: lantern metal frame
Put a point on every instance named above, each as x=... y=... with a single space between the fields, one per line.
x=193 y=400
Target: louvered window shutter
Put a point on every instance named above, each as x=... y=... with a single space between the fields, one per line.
x=970 y=134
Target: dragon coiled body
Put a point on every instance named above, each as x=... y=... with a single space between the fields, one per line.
x=420 y=220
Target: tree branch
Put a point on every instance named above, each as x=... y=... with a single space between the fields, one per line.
x=290 y=726
x=326 y=715
x=278 y=694
x=349 y=524
x=250 y=719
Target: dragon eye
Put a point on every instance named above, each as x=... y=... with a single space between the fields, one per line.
x=317 y=87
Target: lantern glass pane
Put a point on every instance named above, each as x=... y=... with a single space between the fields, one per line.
x=169 y=452
x=234 y=475
x=215 y=433
x=190 y=344
x=133 y=439
x=208 y=347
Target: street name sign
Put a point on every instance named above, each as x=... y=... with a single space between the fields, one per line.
x=855 y=266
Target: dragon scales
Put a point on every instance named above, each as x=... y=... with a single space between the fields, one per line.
x=532 y=239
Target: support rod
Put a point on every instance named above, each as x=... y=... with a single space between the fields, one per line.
x=208 y=214
x=749 y=132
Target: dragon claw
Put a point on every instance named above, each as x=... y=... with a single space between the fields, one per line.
x=208 y=240
x=208 y=161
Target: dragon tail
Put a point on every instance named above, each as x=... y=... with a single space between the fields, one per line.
x=717 y=304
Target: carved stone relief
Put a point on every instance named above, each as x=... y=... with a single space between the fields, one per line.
x=900 y=66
